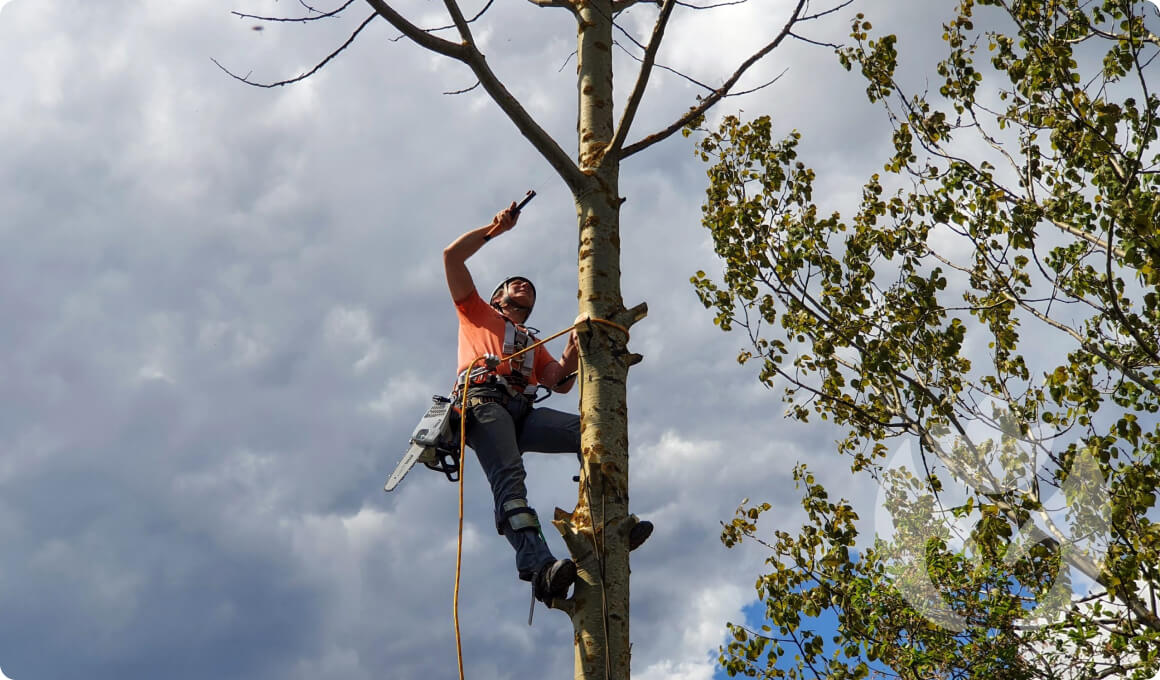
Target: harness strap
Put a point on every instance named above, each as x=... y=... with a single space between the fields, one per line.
x=483 y=375
x=515 y=339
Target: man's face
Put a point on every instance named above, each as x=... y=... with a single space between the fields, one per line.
x=521 y=293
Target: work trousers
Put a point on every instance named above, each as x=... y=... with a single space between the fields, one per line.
x=500 y=431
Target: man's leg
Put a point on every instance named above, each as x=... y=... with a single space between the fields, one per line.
x=547 y=430
x=492 y=435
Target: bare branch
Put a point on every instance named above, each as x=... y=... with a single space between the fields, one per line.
x=460 y=23
x=470 y=21
x=666 y=68
x=544 y=143
x=566 y=4
x=468 y=54
x=318 y=67
x=316 y=17
x=630 y=37
x=621 y=5
x=831 y=10
x=309 y=8
x=650 y=54
x=416 y=34
x=464 y=91
x=713 y=6
x=708 y=102
x=759 y=87
x=813 y=42
x=574 y=54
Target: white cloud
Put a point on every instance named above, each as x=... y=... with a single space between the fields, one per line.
x=683 y=670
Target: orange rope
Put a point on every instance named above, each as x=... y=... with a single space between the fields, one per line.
x=463 y=464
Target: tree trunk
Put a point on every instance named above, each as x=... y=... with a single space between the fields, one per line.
x=596 y=532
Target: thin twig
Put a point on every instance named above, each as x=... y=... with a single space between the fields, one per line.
x=318 y=67
x=464 y=91
x=759 y=87
x=665 y=68
x=813 y=42
x=320 y=15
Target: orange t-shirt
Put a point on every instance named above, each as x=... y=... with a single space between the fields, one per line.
x=481 y=331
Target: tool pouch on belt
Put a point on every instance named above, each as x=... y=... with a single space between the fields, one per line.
x=517 y=406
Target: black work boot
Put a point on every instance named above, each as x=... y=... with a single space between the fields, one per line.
x=639 y=533
x=553 y=580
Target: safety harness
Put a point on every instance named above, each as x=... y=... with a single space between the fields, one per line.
x=517 y=381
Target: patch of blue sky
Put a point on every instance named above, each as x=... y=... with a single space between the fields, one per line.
x=825 y=625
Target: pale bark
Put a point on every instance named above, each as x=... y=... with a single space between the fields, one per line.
x=601 y=618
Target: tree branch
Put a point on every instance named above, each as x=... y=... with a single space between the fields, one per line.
x=468 y=54
x=621 y=5
x=671 y=70
x=464 y=90
x=714 y=5
x=418 y=35
x=470 y=21
x=316 y=17
x=303 y=76
x=565 y=4
x=708 y=102
x=650 y=54
x=544 y=143
x=459 y=22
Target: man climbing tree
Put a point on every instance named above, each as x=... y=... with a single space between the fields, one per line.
x=501 y=422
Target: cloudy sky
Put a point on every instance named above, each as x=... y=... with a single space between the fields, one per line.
x=224 y=311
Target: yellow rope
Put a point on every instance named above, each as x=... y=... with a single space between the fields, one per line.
x=598 y=553
x=463 y=465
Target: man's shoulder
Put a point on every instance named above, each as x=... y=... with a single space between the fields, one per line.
x=473 y=306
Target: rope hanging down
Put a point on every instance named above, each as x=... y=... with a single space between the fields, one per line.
x=462 y=466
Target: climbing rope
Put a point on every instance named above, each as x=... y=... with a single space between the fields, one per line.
x=599 y=554
x=462 y=466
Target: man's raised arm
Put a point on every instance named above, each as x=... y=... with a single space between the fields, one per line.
x=459 y=281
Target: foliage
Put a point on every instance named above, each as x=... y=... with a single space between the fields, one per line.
x=999 y=273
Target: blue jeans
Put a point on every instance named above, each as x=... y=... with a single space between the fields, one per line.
x=500 y=433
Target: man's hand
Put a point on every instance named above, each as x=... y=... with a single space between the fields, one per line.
x=574 y=337
x=504 y=220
